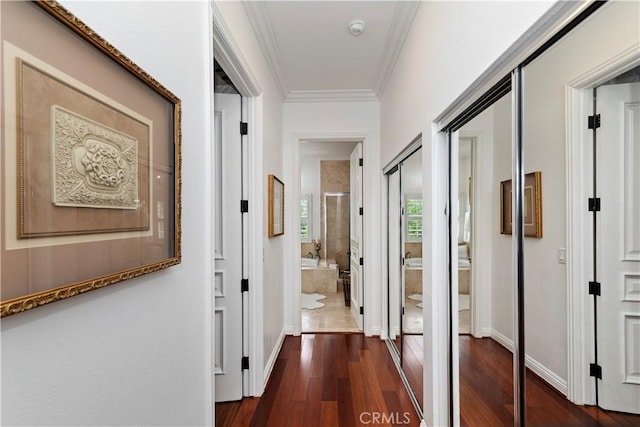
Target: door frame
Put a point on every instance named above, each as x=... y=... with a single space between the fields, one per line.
x=229 y=56
x=294 y=240
x=481 y=216
x=580 y=245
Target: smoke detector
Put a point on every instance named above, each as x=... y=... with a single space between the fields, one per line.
x=356 y=27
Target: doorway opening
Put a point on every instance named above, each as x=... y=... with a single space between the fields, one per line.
x=330 y=229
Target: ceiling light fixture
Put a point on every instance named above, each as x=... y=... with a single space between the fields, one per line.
x=356 y=27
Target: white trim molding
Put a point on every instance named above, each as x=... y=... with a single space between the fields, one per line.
x=271 y=362
x=536 y=367
x=259 y=19
x=403 y=17
x=229 y=56
x=351 y=95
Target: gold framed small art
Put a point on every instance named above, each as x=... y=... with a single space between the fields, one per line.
x=91 y=161
x=532 y=205
x=276 y=207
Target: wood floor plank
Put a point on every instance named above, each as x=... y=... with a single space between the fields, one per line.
x=329 y=414
x=346 y=414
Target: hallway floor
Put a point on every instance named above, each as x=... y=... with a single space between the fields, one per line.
x=334 y=379
x=486 y=393
x=326 y=380
x=333 y=317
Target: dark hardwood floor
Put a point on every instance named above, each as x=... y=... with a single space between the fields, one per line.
x=335 y=379
x=412 y=363
x=486 y=393
x=327 y=380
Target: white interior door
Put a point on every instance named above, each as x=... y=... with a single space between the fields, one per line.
x=228 y=249
x=618 y=246
x=357 y=257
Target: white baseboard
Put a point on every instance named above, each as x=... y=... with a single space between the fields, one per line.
x=376 y=332
x=273 y=357
x=486 y=332
x=423 y=423
x=538 y=368
x=288 y=330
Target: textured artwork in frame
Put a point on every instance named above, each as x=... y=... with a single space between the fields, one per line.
x=91 y=151
x=276 y=207
x=532 y=205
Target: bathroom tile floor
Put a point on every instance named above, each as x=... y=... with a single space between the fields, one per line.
x=333 y=317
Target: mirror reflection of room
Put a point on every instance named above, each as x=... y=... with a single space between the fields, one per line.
x=412 y=361
x=484 y=259
x=465 y=152
x=325 y=236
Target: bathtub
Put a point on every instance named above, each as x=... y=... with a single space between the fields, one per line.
x=413 y=263
x=317 y=277
x=309 y=263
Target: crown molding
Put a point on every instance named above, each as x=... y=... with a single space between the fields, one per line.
x=229 y=56
x=349 y=95
x=258 y=17
x=403 y=18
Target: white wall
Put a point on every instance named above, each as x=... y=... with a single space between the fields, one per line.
x=139 y=352
x=236 y=19
x=335 y=121
x=502 y=272
x=449 y=46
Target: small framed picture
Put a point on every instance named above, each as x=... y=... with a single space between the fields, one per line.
x=532 y=205
x=276 y=207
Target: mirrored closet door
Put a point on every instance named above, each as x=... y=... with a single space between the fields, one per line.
x=405 y=216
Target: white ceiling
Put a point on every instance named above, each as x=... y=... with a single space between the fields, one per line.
x=312 y=54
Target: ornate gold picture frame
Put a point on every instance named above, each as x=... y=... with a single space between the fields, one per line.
x=276 y=207
x=532 y=205
x=90 y=161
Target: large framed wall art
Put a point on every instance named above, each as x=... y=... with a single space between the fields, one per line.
x=90 y=164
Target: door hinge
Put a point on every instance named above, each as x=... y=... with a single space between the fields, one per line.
x=595 y=370
x=244 y=128
x=594 y=204
x=360 y=161
x=244 y=285
x=244 y=206
x=245 y=363
x=403 y=311
x=594 y=288
x=594 y=121
x=361 y=211
x=361 y=310
x=361 y=261
x=403 y=261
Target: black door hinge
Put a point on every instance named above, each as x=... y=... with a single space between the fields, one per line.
x=594 y=204
x=361 y=310
x=361 y=261
x=245 y=362
x=594 y=288
x=360 y=161
x=594 y=121
x=244 y=206
x=244 y=285
x=244 y=128
x=403 y=311
x=595 y=370
x=361 y=211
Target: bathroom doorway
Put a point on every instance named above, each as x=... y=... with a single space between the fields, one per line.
x=325 y=186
